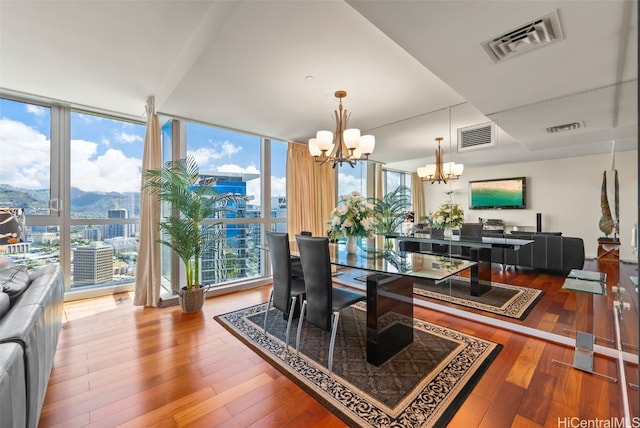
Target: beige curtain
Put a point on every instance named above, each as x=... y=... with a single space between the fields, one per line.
x=417 y=192
x=148 y=272
x=311 y=192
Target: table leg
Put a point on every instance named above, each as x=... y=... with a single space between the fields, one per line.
x=481 y=271
x=389 y=316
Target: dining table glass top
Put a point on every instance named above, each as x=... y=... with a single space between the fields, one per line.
x=375 y=258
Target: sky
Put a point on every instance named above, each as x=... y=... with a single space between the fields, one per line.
x=106 y=154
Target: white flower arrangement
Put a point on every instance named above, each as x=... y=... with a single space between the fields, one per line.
x=449 y=215
x=353 y=216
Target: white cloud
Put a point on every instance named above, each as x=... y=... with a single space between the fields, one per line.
x=228 y=149
x=230 y=167
x=349 y=183
x=205 y=156
x=128 y=138
x=25 y=161
x=112 y=171
x=278 y=186
x=89 y=118
x=36 y=110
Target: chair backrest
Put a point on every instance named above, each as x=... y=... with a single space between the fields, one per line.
x=471 y=232
x=280 y=255
x=305 y=233
x=316 y=268
x=436 y=233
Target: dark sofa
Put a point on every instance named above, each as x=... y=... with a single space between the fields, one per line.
x=30 y=322
x=549 y=251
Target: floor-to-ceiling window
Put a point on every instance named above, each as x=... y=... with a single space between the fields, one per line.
x=77 y=174
x=278 y=200
x=26 y=180
x=352 y=178
x=394 y=179
x=105 y=159
x=236 y=163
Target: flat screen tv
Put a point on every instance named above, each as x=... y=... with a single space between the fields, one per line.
x=498 y=193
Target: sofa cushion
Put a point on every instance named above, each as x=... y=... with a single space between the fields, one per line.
x=5 y=303
x=14 y=281
x=13 y=388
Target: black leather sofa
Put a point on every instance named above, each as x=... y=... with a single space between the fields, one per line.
x=30 y=323
x=549 y=251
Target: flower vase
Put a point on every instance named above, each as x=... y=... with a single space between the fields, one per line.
x=447 y=233
x=351 y=244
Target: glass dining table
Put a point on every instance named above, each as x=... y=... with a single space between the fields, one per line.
x=389 y=290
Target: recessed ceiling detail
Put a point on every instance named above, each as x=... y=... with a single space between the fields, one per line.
x=476 y=137
x=533 y=35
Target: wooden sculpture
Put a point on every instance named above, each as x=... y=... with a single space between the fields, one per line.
x=606 y=221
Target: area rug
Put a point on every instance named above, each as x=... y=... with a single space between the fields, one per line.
x=503 y=299
x=422 y=386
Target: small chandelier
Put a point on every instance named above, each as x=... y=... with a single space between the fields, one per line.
x=440 y=172
x=345 y=146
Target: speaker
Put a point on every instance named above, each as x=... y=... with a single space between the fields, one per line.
x=538 y=222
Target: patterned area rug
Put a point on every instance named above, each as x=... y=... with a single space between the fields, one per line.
x=422 y=386
x=503 y=299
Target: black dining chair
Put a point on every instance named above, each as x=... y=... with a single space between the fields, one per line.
x=296 y=264
x=286 y=288
x=438 y=248
x=323 y=302
x=470 y=232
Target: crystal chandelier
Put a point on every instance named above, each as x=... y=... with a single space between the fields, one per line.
x=440 y=172
x=345 y=146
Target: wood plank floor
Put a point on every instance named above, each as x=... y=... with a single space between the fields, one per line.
x=122 y=365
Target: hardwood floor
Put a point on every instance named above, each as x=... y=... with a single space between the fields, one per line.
x=122 y=365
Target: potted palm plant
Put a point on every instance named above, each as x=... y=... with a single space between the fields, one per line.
x=193 y=199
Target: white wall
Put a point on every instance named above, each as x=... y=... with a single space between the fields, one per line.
x=565 y=191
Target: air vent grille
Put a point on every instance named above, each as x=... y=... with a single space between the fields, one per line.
x=566 y=127
x=533 y=35
x=476 y=137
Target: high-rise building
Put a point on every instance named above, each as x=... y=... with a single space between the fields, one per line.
x=231 y=258
x=92 y=264
x=92 y=233
x=114 y=230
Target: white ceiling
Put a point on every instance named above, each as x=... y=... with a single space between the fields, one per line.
x=413 y=70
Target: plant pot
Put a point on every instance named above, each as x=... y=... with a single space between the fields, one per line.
x=448 y=233
x=191 y=301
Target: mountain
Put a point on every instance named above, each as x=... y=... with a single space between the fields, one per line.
x=83 y=204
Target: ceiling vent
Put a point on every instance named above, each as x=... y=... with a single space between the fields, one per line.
x=536 y=34
x=566 y=127
x=481 y=136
